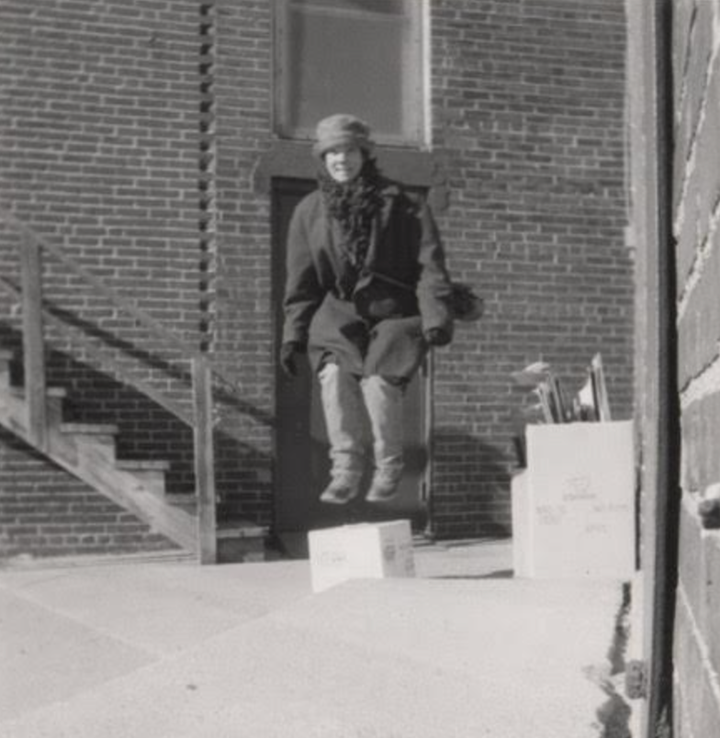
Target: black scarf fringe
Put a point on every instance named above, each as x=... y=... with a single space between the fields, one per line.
x=354 y=205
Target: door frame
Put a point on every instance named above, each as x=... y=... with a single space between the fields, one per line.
x=657 y=411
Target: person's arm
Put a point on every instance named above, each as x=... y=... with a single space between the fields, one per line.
x=302 y=289
x=434 y=288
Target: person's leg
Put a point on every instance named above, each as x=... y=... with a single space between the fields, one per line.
x=345 y=421
x=396 y=348
x=384 y=403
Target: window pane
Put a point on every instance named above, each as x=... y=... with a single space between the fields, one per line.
x=357 y=56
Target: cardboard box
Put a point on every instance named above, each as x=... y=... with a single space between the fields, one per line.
x=521 y=524
x=361 y=551
x=573 y=508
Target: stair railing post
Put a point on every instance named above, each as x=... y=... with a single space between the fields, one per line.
x=204 y=460
x=33 y=344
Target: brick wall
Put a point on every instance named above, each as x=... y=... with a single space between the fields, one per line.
x=243 y=337
x=696 y=191
x=103 y=153
x=99 y=155
x=527 y=139
x=100 y=143
x=528 y=128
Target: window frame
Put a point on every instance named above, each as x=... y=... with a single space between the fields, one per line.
x=419 y=137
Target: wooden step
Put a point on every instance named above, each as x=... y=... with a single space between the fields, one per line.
x=79 y=455
x=94 y=441
x=87 y=450
x=6 y=358
x=187 y=502
x=14 y=410
x=90 y=429
x=54 y=403
x=143 y=464
x=53 y=392
x=150 y=472
x=239 y=539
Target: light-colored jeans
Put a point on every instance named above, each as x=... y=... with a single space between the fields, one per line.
x=353 y=406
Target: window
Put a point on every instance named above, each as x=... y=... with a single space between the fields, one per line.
x=351 y=56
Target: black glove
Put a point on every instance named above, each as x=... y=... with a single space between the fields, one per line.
x=288 y=352
x=437 y=337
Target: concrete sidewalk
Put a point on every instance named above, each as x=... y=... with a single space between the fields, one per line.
x=168 y=648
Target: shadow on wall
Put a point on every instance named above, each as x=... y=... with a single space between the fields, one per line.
x=153 y=361
x=472 y=476
x=147 y=431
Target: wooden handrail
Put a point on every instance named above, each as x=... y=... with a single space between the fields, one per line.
x=171 y=405
x=166 y=335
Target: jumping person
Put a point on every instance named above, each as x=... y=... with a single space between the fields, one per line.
x=367 y=294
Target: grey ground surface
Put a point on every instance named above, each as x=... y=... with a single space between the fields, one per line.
x=148 y=649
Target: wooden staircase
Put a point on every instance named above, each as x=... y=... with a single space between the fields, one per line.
x=88 y=452
x=34 y=413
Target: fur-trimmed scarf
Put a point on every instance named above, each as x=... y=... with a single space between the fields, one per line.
x=354 y=205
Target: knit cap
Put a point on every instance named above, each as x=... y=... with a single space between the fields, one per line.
x=341 y=129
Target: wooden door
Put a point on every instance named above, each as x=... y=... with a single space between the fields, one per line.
x=301 y=446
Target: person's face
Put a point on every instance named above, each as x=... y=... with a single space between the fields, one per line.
x=344 y=163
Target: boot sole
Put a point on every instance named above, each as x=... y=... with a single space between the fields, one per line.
x=330 y=499
x=376 y=498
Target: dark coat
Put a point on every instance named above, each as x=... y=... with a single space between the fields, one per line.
x=374 y=325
